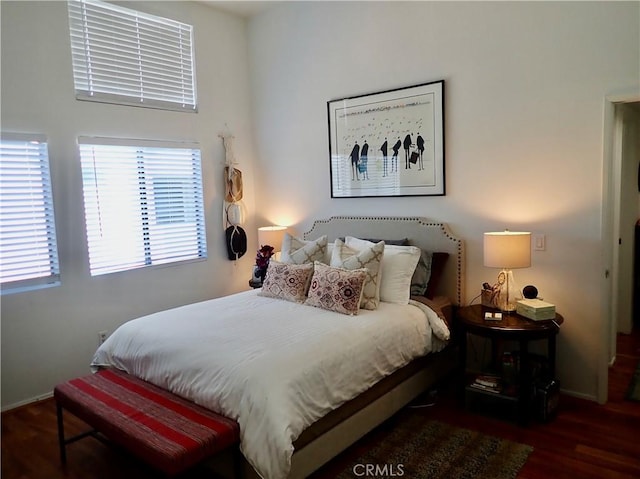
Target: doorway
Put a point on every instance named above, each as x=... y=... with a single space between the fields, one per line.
x=626 y=210
x=620 y=213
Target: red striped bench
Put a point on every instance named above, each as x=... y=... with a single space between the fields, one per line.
x=168 y=432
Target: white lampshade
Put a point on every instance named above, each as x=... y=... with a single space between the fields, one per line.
x=272 y=236
x=507 y=249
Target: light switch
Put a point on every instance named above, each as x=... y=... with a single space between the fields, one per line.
x=539 y=242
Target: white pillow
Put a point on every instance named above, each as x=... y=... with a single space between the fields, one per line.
x=327 y=253
x=299 y=251
x=370 y=258
x=398 y=265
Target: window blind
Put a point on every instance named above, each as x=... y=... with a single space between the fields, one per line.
x=143 y=204
x=28 y=249
x=128 y=57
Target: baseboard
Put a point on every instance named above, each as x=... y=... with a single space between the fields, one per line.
x=588 y=397
x=26 y=402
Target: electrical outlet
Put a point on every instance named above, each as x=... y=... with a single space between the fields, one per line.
x=102 y=336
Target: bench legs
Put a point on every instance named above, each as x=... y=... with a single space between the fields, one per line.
x=238 y=463
x=61 y=441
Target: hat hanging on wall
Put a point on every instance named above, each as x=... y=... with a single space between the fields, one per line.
x=234 y=213
x=236 y=238
x=233 y=210
x=236 y=242
x=233 y=184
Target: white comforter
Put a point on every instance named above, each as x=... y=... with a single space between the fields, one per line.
x=274 y=366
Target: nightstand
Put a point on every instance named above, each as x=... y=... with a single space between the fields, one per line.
x=512 y=327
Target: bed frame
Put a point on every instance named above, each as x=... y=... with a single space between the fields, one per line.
x=347 y=424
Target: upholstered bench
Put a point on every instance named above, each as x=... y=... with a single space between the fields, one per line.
x=166 y=431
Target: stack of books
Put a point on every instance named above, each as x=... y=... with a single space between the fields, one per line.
x=487 y=382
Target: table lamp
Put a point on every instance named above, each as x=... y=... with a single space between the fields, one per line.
x=271 y=236
x=270 y=244
x=507 y=250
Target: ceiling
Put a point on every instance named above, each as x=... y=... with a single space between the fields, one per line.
x=244 y=8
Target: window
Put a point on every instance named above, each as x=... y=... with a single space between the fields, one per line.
x=143 y=203
x=127 y=57
x=28 y=250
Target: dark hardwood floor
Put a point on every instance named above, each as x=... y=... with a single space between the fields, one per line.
x=586 y=440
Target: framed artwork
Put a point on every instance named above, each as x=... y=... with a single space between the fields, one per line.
x=389 y=143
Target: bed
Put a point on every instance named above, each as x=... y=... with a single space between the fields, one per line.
x=302 y=381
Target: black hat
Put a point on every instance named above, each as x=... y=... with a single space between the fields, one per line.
x=236 y=242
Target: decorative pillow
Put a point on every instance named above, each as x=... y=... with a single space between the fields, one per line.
x=298 y=251
x=368 y=257
x=421 y=275
x=398 y=265
x=428 y=273
x=336 y=289
x=438 y=261
x=287 y=281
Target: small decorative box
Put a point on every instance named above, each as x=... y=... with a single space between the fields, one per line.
x=535 y=309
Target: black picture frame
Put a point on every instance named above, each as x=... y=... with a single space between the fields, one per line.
x=388 y=143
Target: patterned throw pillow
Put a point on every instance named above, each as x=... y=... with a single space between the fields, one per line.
x=336 y=289
x=368 y=257
x=287 y=281
x=298 y=251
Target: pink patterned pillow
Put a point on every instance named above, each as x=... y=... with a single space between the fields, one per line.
x=287 y=281
x=336 y=289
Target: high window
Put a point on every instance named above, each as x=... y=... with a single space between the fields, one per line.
x=128 y=57
x=143 y=203
x=28 y=250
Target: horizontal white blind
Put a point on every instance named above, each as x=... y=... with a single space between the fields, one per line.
x=28 y=250
x=143 y=204
x=133 y=58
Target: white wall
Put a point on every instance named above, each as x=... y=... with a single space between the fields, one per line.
x=525 y=87
x=50 y=335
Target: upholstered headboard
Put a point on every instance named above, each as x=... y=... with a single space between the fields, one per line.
x=427 y=235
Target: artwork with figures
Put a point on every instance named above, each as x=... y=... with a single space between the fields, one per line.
x=389 y=143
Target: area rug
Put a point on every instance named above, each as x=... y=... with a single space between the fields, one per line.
x=633 y=393
x=419 y=448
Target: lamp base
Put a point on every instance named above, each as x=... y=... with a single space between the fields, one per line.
x=507 y=292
